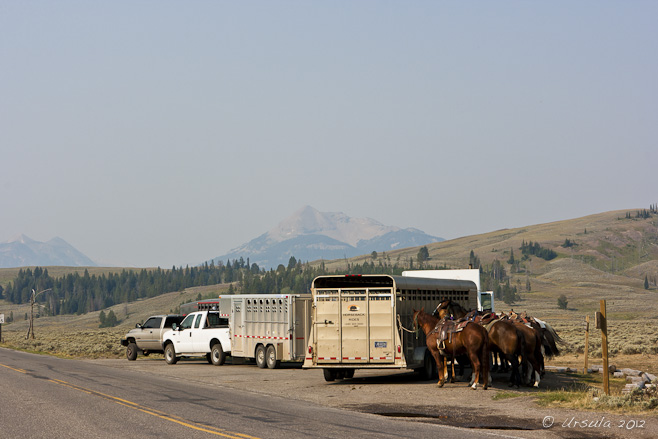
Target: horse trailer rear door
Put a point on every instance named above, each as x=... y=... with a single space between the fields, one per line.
x=354 y=326
x=381 y=325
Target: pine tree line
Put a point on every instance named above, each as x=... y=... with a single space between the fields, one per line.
x=78 y=294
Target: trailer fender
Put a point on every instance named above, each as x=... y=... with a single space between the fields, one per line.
x=419 y=354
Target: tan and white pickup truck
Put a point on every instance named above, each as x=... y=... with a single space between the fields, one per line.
x=147 y=336
x=200 y=334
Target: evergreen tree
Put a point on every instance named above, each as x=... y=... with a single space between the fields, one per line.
x=423 y=254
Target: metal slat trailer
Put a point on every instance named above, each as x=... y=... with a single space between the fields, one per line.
x=359 y=321
x=269 y=328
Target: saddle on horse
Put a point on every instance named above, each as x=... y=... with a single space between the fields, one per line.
x=445 y=328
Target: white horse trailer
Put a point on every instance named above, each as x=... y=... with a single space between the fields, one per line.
x=366 y=321
x=485 y=298
x=269 y=328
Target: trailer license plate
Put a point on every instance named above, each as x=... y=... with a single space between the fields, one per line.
x=380 y=344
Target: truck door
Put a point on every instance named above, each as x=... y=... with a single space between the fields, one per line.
x=327 y=326
x=196 y=334
x=182 y=337
x=150 y=334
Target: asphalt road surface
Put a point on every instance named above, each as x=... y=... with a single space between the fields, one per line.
x=47 y=397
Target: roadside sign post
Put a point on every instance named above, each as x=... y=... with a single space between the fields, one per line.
x=2 y=320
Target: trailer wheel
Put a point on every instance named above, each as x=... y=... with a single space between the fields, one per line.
x=261 y=362
x=329 y=374
x=427 y=371
x=170 y=354
x=131 y=351
x=272 y=362
x=349 y=373
x=217 y=354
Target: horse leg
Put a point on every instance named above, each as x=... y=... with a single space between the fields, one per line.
x=515 y=377
x=477 y=366
x=440 y=367
x=452 y=362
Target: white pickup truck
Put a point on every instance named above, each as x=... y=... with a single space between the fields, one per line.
x=202 y=333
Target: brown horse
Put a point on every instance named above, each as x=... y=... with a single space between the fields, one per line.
x=472 y=341
x=508 y=342
x=450 y=309
x=533 y=353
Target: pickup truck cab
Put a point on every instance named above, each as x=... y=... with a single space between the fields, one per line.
x=201 y=333
x=147 y=336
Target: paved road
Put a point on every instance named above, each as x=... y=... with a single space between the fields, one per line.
x=46 y=397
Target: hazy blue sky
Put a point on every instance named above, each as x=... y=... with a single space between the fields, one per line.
x=166 y=133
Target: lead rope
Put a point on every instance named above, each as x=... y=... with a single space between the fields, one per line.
x=408 y=330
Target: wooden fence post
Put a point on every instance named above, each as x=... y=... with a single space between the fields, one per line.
x=586 y=343
x=604 y=350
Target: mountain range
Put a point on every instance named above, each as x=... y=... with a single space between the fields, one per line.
x=23 y=251
x=309 y=235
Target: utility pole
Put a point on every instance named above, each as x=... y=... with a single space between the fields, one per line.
x=33 y=298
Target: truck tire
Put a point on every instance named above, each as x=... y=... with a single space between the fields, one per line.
x=170 y=354
x=131 y=351
x=261 y=361
x=329 y=374
x=270 y=356
x=217 y=354
x=349 y=373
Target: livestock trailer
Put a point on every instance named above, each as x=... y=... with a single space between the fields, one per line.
x=268 y=328
x=366 y=321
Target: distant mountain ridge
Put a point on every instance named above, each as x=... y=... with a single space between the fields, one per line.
x=309 y=235
x=23 y=251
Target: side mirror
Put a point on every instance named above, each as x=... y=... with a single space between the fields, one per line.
x=175 y=327
x=138 y=325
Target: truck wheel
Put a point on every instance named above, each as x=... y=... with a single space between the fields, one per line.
x=349 y=373
x=272 y=362
x=261 y=362
x=217 y=354
x=329 y=374
x=131 y=351
x=170 y=354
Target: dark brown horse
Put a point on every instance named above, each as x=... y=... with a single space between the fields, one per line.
x=534 y=356
x=449 y=308
x=472 y=341
x=508 y=342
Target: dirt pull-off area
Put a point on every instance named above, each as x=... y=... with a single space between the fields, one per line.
x=402 y=395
